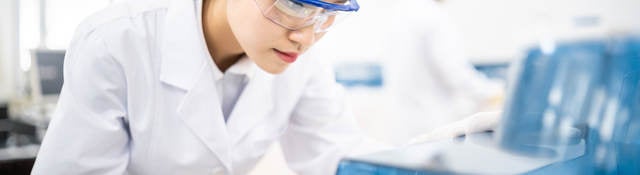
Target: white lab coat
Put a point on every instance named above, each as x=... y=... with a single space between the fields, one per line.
x=140 y=98
x=428 y=82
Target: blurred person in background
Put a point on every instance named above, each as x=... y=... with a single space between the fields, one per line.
x=428 y=78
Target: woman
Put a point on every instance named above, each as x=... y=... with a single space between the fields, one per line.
x=198 y=87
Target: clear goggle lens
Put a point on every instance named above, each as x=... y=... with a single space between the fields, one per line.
x=294 y=15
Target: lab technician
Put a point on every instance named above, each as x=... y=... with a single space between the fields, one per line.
x=198 y=87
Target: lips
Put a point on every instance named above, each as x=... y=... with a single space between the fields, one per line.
x=288 y=57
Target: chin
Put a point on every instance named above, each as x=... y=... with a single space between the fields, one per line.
x=274 y=69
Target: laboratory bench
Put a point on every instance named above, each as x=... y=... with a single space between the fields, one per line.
x=474 y=154
x=18 y=145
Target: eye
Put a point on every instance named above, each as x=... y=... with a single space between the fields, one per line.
x=296 y=4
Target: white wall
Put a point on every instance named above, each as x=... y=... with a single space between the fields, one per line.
x=8 y=47
x=495 y=30
x=62 y=22
x=501 y=30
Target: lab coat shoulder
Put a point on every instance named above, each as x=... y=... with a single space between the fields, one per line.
x=122 y=40
x=129 y=35
x=126 y=10
x=130 y=25
x=89 y=62
x=93 y=105
x=320 y=87
x=322 y=129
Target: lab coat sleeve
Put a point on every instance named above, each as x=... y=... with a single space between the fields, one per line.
x=88 y=132
x=322 y=130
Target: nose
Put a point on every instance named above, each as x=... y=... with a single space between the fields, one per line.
x=303 y=37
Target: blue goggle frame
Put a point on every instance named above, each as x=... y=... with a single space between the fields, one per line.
x=352 y=7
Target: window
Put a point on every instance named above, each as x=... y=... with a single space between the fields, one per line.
x=50 y=24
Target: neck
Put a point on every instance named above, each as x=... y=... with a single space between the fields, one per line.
x=221 y=42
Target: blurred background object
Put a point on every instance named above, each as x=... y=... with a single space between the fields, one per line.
x=552 y=96
x=427 y=80
x=572 y=109
x=8 y=48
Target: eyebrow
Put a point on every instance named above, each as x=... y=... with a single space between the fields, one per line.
x=340 y=2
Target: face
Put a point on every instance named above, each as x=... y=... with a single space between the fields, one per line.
x=269 y=45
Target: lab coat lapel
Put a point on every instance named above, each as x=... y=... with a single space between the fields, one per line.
x=253 y=106
x=186 y=65
x=200 y=111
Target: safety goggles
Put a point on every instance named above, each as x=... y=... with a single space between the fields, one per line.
x=298 y=14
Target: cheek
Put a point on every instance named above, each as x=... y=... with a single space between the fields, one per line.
x=251 y=29
x=242 y=20
x=317 y=38
x=256 y=34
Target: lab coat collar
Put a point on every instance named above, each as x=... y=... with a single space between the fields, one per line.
x=200 y=110
x=244 y=66
x=184 y=51
x=253 y=106
x=185 y=65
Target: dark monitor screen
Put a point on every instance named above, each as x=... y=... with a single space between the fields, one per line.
x=50 y=65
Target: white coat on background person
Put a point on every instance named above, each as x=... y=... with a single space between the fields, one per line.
x=428 y=81
x=140 y=97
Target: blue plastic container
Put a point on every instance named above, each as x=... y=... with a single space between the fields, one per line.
x=551 y=97
x=614 y=138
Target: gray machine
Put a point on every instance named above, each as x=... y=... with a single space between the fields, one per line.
x=47 y=75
